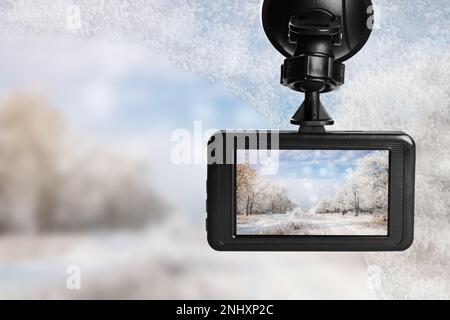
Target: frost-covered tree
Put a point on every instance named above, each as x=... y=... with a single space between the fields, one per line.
x=52 y=180
x=354 y=191
x=326 y=205
x=249 y=188
x=259 y=196
x=245 y=181
x=279 y=201
x=341 y=202
x=374 y=175
x=365 y=190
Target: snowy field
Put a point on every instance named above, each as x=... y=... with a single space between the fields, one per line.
x=311 y=224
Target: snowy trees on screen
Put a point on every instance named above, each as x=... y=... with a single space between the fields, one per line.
x=277 y=200
x=365 y=190
x=257 y=196
x=245 y=180
x=324 y=206
x=374 y=174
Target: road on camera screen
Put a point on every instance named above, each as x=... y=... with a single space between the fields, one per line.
x=305 y=223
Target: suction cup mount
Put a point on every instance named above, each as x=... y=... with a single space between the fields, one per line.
x=316 y=36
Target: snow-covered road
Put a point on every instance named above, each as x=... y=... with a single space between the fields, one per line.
x=170 y=261
x=330 y=224
x=264 y=223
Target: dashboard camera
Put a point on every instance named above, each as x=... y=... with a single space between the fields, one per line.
x=312 y=189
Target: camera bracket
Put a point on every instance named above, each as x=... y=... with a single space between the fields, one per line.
x=316 y=36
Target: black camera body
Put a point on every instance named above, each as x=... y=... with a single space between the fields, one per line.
x=222 y=191
x=312 y=190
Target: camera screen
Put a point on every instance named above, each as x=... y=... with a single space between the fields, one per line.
x=312 y=192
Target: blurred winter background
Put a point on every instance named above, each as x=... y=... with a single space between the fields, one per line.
x=91 y=92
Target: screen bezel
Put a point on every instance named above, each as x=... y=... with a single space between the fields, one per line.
x=221 y=195
x=235 y=224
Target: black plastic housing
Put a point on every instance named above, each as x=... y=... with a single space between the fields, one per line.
x=354 y=14
x=221 y=193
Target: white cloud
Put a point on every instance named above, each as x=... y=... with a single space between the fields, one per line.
x=99 y=98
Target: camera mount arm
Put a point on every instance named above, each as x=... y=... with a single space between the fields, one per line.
x=313 y=68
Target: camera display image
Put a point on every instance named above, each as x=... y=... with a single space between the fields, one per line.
x=312 y=192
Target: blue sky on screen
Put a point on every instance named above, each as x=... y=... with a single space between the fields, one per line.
x=330 y=165
x=324 y=164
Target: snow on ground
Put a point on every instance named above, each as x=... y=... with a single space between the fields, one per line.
x=311 y=224
x=171 y=261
